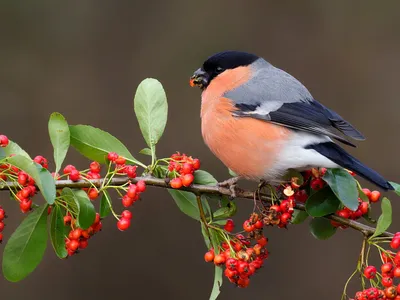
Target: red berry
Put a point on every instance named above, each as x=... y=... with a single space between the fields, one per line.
x=229 y=226
x=1 y=237
x=132 y=191
x=243 y=267
x=187 y=179
x=209 y=256
x=262 y=241
x=74 y=175
x=259 y=224
x=247 y=226
x=123 y=224
x=231 y=264
x=83 y=244
x=176 y=183
x=41 y=161
x=284 y=206
x=370 y=272
x=126 y=214
x=141 y=186
x=112 y=156
x=317 y=184
x=275 y=208
x=396 y=272
x=130 y=171
x=1 y=226
x=375 y=195
x=75 y=234
x=395 y=243
x=243 y=282
x=387 y=269
x=364 y=207
x=390 y=292
x=68 y=169
x=219 y=259
x=22 y=178
x=196 y=164
x=73 y=245
x=301 y=196
x=127 y=201
x=120 y=160
x=344 y=213
x=95 y=167
x=25 y=205
x=285 y=218
x=3 y=141
x=387 y=281
x=97 y=219
x=67 y=220
x=93 y=193
x=367 y=192
x=2 y=214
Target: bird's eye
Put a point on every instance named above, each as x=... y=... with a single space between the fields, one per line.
x=220 y=69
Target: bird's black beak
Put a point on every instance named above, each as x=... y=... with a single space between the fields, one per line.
x=199 y=78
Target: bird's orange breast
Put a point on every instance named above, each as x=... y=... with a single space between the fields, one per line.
x=245 y=145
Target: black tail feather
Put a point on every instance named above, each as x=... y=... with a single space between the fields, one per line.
x=345 y=160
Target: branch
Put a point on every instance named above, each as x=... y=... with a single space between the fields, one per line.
x=199 y=189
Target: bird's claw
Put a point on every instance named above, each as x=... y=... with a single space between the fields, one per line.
x=231 y=185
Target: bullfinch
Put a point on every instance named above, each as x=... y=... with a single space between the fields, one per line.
x=261 y=121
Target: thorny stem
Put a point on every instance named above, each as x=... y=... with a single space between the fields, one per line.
x=198 y=189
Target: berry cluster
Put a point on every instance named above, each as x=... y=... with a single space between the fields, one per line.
x=242 y=256
x=363 y=208
x=2 y=217
x=390 y=270
x=181 y=168
x=132 y=195
x=120 y=165
x=78 y=239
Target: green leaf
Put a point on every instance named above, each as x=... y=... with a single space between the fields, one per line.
x=59 y=137
x=205 y=235
x=322 y=228
x=217 y=283
x=95 y=144
x=396 y=187
x=145 y=151
x=86 y=211
x=14 y=148
x=225 y=212
x=105 y=205
x=26 y=246
x=42 y=177
x=385 y=219
x=299 y=216
x=233 y=174
x=58 y=232
x=322 y=203
x=187 y=203
x=151 y=109
x=204 y=178
x=344 y=186
x=2 y=153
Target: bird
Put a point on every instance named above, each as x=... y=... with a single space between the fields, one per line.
x=261 y=122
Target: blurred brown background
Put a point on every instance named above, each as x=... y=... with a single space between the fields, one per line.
x=85 y=60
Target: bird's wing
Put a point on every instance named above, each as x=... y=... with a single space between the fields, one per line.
x=275 y=96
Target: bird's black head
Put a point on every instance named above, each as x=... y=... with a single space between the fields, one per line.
x=218 y=63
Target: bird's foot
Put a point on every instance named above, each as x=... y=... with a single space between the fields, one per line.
x=231 y=185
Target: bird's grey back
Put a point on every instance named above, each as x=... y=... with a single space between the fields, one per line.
x=269 y=88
